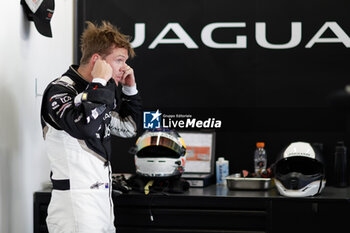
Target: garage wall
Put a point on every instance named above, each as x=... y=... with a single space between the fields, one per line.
x=26 y=58
x=229 y=61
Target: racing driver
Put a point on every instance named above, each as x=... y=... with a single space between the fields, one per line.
x=79 y=113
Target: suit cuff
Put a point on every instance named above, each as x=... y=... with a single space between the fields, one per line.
x=100 y=81
x=129 y=90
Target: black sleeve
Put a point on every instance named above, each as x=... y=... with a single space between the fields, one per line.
x=79 y=114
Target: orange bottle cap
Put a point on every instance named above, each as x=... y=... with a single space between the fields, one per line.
x=260 y=144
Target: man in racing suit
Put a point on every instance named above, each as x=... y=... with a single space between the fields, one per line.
x=79 y=113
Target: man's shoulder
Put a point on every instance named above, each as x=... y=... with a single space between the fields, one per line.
x=65 y=81
x=62 y=84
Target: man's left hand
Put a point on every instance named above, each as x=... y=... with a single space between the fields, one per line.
x=128 y=78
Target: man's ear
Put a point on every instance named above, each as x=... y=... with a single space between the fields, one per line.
x=94 y=58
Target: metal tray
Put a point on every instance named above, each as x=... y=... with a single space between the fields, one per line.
x=234 y=182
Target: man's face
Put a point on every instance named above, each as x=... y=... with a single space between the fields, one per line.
x=117 y=60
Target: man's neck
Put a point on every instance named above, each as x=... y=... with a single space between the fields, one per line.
x=85 y=72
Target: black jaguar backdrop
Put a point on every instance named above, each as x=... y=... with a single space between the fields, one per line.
x=239 y=62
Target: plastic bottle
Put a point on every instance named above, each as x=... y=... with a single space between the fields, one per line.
x=340 y=165
x=221 y=170
x=260 y=158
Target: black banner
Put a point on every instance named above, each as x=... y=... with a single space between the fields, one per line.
x=201 y=53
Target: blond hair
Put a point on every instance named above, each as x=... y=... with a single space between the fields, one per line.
x=101 y=40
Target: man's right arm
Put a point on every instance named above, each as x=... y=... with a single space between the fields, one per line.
x=80 y=115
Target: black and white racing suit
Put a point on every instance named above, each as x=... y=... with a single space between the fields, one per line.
x=78 y=119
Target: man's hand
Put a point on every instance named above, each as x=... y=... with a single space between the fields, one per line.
x=101 y=70
x=128 y=78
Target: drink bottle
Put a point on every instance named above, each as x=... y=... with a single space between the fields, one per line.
x=221 y=170
x=260 y=158
x=340 y=165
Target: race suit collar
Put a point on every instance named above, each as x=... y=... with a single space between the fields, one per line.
x=73 y=73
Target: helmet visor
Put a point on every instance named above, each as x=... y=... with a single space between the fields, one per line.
x=303 y=165
x=158 y=146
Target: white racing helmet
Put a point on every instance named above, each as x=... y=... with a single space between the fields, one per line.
x=160 y=153
x=300 y=171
